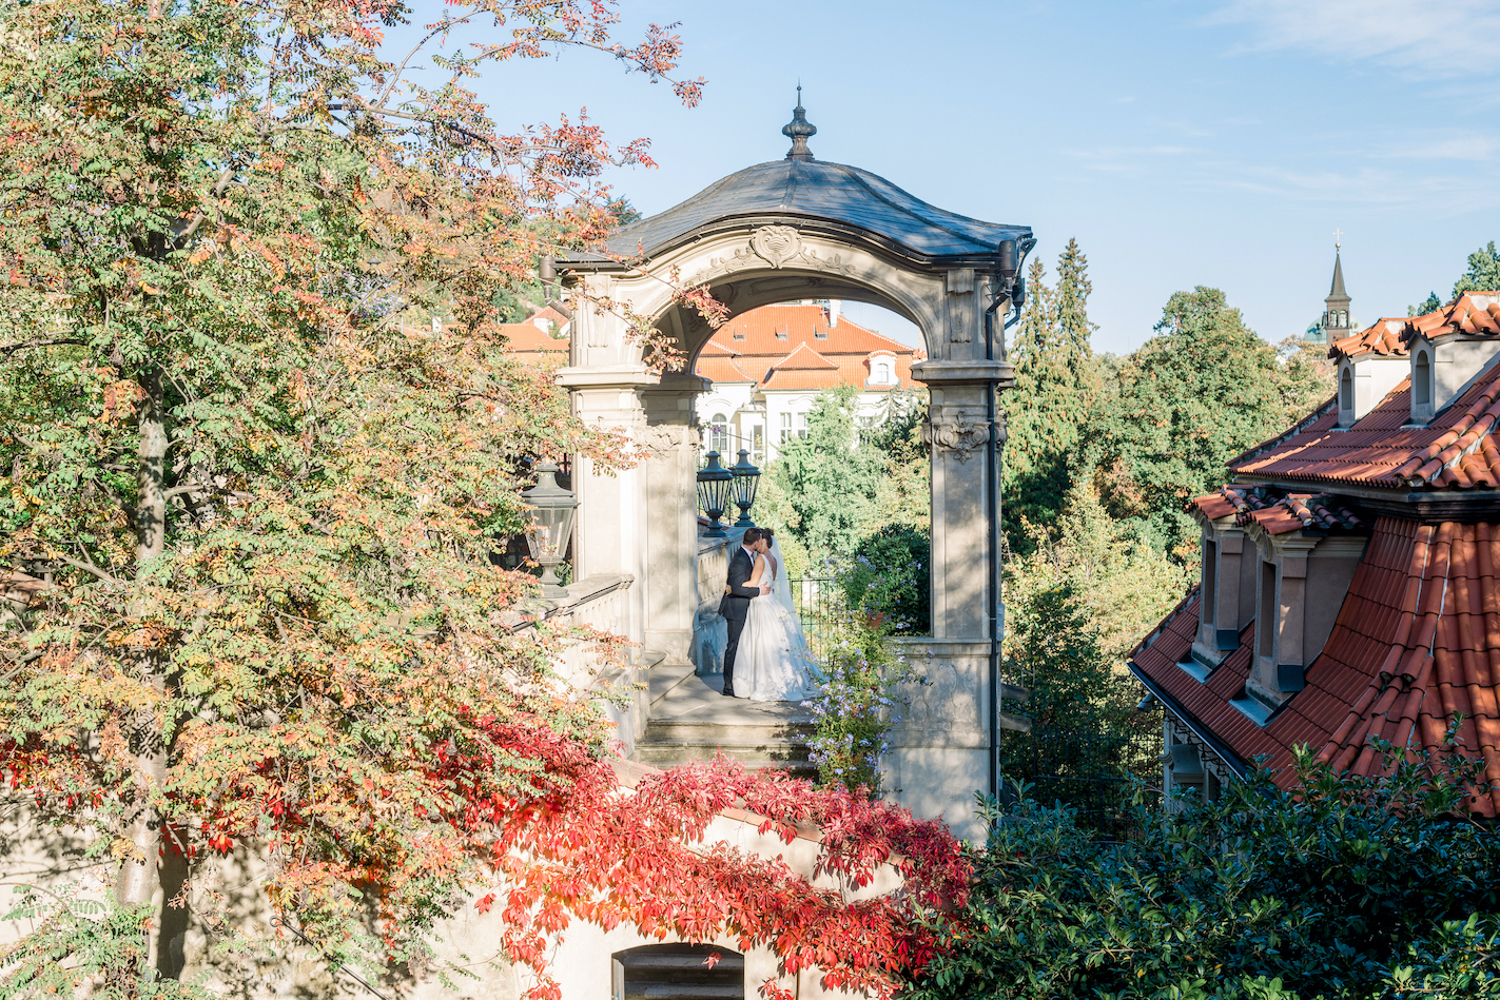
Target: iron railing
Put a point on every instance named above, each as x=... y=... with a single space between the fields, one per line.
x=815 y=599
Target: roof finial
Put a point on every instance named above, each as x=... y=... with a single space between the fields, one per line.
x=1338 y=235
x=798 y=130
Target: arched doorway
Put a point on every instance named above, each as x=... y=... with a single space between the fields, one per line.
x=677 y=972
x=800 y=228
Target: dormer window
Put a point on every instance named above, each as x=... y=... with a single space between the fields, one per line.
x=1346 y=392
x=1303 y=579
x=1421 y=385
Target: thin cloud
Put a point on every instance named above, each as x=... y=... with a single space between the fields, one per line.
x=1434 y=38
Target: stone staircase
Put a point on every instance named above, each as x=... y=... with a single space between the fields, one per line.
x=692 y=720
x=678 y=972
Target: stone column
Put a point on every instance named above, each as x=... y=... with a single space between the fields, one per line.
x=940 y=752
x=671 y=524
x=608 y=530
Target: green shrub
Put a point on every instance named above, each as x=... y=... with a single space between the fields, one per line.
x=889 y=577
x=856 y=700
x=1342 y=888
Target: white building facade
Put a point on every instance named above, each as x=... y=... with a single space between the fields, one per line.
x=768 y=366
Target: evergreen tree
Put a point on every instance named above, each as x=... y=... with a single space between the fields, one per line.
x=1057 y=388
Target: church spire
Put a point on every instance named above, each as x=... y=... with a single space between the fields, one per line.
x=1336 y=322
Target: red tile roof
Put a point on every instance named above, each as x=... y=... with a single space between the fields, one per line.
x=804 y=358
x=1475 y=314
x=813 y=356
x=1382 y=337
x=1455 y=450
x=527 y=339
x=1416 y=643
x=801 y=324
x=723 y=368
x=1277 y=513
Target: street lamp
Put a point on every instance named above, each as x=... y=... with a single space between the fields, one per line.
x=746 y=479
x=551 y=524
x=715 y=486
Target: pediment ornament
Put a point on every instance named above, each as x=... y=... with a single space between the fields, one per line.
x=777 y=246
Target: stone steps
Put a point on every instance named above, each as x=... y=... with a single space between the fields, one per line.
x=757 y=734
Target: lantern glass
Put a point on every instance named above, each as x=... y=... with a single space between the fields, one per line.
x=552 y=512
x=715 y=493
x=746 y=480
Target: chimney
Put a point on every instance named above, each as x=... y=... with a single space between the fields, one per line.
x=833 y=313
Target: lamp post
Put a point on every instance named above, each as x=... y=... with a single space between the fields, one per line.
x=715 y=485
x=746 y=479
x=551 y=524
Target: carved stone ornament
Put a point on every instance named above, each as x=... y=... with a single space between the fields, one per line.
x=955 y=432
x=661 y=439
x=778 y=246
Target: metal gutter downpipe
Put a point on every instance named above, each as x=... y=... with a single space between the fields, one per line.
x=1010 y=266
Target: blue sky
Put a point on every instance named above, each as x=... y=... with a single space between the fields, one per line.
x=1182 y=143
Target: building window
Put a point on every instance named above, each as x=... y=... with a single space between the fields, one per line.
x=781 y=333
x=1265 y=629
x=880 y=372
x=718 y=434
x=1346 y=390
x=786 y=427
x=757 y=444
x=1421 y=381
x=802 y=425
x=820 y=334
x=739 y=336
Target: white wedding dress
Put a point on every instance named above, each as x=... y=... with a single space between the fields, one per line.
x=773 y=662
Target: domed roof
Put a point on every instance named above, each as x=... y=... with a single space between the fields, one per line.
x=815 y=196
x=826 y=195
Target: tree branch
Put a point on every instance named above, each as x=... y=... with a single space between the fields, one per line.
x=8 y=349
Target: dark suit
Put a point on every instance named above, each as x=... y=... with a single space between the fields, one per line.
x=735 y=606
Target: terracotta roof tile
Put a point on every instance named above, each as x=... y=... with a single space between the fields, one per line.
x=1381 y=337
x=802 y=324
x=524 y=338
x=1416 y=642
x=793 y=348
x=1275 y=512
x=1474 y=314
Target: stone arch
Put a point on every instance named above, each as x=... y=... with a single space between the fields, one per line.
x=798 y=229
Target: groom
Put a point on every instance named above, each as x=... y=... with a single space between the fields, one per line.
x=736 y=603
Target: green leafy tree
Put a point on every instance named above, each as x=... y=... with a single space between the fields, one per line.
x=823 y=487
x=890 y=578
x=1074 y=607
x=1197 y=394
x=1483 y=272
x=1057 y=389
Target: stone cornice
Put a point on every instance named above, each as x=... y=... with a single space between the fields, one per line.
x=977 y=372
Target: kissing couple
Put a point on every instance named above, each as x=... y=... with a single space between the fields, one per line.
x=767 y=653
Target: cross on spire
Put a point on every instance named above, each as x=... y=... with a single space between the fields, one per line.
x=1338 y=234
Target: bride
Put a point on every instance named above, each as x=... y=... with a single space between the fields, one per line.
x=773 y=661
